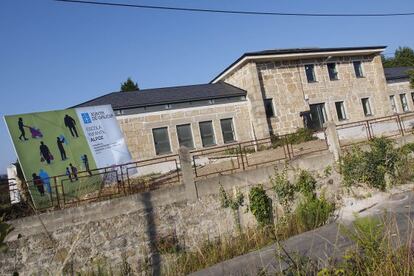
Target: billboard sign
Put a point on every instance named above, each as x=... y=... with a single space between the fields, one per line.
x=63 y=143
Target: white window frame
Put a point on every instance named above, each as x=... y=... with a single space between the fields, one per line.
x=314 y=72
x=405 y=108
x=393 y=103
x=344 y=111
x=369 y=106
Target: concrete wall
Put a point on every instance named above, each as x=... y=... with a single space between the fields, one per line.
x=137 y=128
x=131 y=227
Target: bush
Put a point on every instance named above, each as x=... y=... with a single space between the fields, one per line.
x=301 y=135
x=371 y=166
x=313 y=212
x=284 y=189
x=261 y=205
x=306 y=183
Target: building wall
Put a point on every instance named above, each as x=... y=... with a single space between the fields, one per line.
x=285 y=82
x=137 y=128
x=247 y=78
x=401 y=87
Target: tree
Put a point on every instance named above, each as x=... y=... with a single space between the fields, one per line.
x=403 y=57
x=129 y=85
x=411 y=76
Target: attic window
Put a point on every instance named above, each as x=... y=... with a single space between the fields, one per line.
x=168 y=106
x=211 y=101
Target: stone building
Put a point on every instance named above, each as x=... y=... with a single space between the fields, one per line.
x=262 y=93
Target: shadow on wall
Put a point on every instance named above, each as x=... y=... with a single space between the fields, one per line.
x=152 y=235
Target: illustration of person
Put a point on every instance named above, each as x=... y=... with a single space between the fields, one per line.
x=44 y=176
x=74 y=171
x=37 y=181
x=45 y=152
x=22 y=131
x=69 y=174
x=86 y=164
x=62 y=151
x=71 y=124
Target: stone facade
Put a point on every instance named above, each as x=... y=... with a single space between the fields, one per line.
x=285 y=82
x=137 y=128
x=398 y=88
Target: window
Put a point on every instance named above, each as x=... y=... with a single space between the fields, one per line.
x=207 y=134
x=412 y=97
x=310 y=72
x=366 y=106
x=212 y=101
x=333 y=73
x=393 y=105
x=340 y=111
x=168 y=106
x=358 y=69
x=268 y=104
x=317 y=116
x=161 y=140
x=404 y=102
x=185 y=136
x=227 y=130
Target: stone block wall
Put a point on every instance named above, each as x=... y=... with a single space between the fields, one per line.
x=137 y=128
x=401 y=87
x=285 y=82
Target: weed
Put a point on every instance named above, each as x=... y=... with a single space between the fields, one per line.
x=261 y=205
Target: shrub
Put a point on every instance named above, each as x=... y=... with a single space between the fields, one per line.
x=306 y=183
x=371 y=166
x=313 y=212
x=261 y=205
x=301 y=135
x=284 y=189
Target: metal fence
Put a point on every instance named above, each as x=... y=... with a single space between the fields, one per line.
x=253 y=154
x=362 y=131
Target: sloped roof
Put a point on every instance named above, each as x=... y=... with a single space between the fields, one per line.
x=397 y=73
x=166 y=95
x=295 y=51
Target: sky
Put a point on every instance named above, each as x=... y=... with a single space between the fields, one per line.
x=54 y=55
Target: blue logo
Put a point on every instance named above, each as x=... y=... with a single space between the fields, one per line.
x=86 y=118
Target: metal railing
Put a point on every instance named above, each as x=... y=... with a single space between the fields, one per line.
x=362 y=131
x=253 y=154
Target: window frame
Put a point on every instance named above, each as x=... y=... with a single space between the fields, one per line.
x=368 y=100
x=155 y=144
x=191 y=135
x=213 y=134
x=267 y=100
x=233 y=130
x=361 y=70
x=313 y=73
x=393 y=103
x=405 y=108
x=336 y=72
x=342 y=109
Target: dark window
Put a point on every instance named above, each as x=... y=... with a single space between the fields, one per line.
x=412 y=97
x=317 y=116
x=227 y=130
x=404 y=103
x=310 y=72
x=333 y=73
x=161 y=140
x=185 y=136
x=366 y=106
x=340 y=111
x=268 y=104
x=207 y=134
x=358 y=69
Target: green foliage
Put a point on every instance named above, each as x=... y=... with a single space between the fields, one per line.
x=5 y=229
x=284 y=189
x=371 y=166
x=313 y=212
x=129 y=85
x=261 y=205
x=403 y=57
x=227 y=201
x=327 y=171
x=411 y=78
x=306 y=183
x=300 y=136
